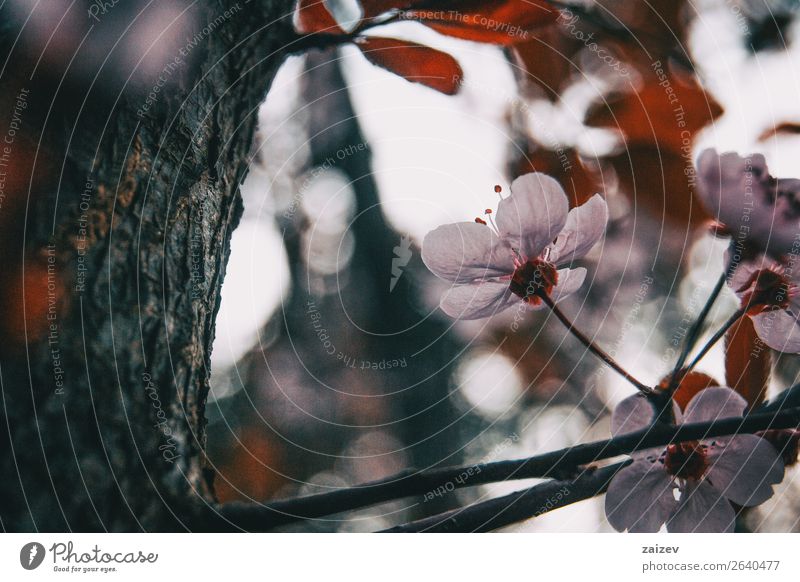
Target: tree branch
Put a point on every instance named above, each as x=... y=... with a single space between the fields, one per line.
x=558 y=464
x=518 y=506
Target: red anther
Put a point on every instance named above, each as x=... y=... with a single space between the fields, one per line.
x=686 y=460
x=532 y=278
x=718 y=229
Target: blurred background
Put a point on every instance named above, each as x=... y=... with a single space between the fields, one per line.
x=332 y=363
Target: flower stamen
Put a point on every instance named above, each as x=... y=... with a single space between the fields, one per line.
x=766 y=290
x=488 y=214
x=686 y=460
x=532 y=279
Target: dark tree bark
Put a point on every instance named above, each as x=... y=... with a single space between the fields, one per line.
x=103 y=414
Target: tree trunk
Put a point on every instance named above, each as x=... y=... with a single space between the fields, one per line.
x=103 y=404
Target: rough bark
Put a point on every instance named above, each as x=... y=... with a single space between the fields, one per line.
x=120 y=445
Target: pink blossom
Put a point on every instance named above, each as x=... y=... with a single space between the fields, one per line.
x=690 y=486
x=753 y=206
x=769 y=293
x=517 y=255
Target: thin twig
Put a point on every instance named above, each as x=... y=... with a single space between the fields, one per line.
x=697 y=326
x=590 y=345
x=737 y=315
x=260 y=517
x=694 y=333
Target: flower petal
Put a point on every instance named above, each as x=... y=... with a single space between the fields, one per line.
x=466 y=251
x=714 y=403
x=640 y=498
x=740 y=192
x=723 y=181
x=779 y=329
x=744 y=468
x=631 y=414
x=702 y=509
x=569 y=281
x=721 y=185
x=533 y=215
x=585 y=225
x=477 y=300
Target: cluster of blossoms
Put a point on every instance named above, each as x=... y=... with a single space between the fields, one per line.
x=524 y=254
x=762 y=216
x=696 y=486
x=690 y=486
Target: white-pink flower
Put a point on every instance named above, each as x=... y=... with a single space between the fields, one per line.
x=690 y=486
x=517 y=255
x=770 y=293
x=752 y=205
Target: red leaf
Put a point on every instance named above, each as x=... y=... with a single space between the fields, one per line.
x=580 y=179
x=506 y=23
x=414 y=62
x=651 y=115
x=654 y=179
x=313 y=16
x=250 y=469
x=547 y=61
x=690 y=385
x=747 y=362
